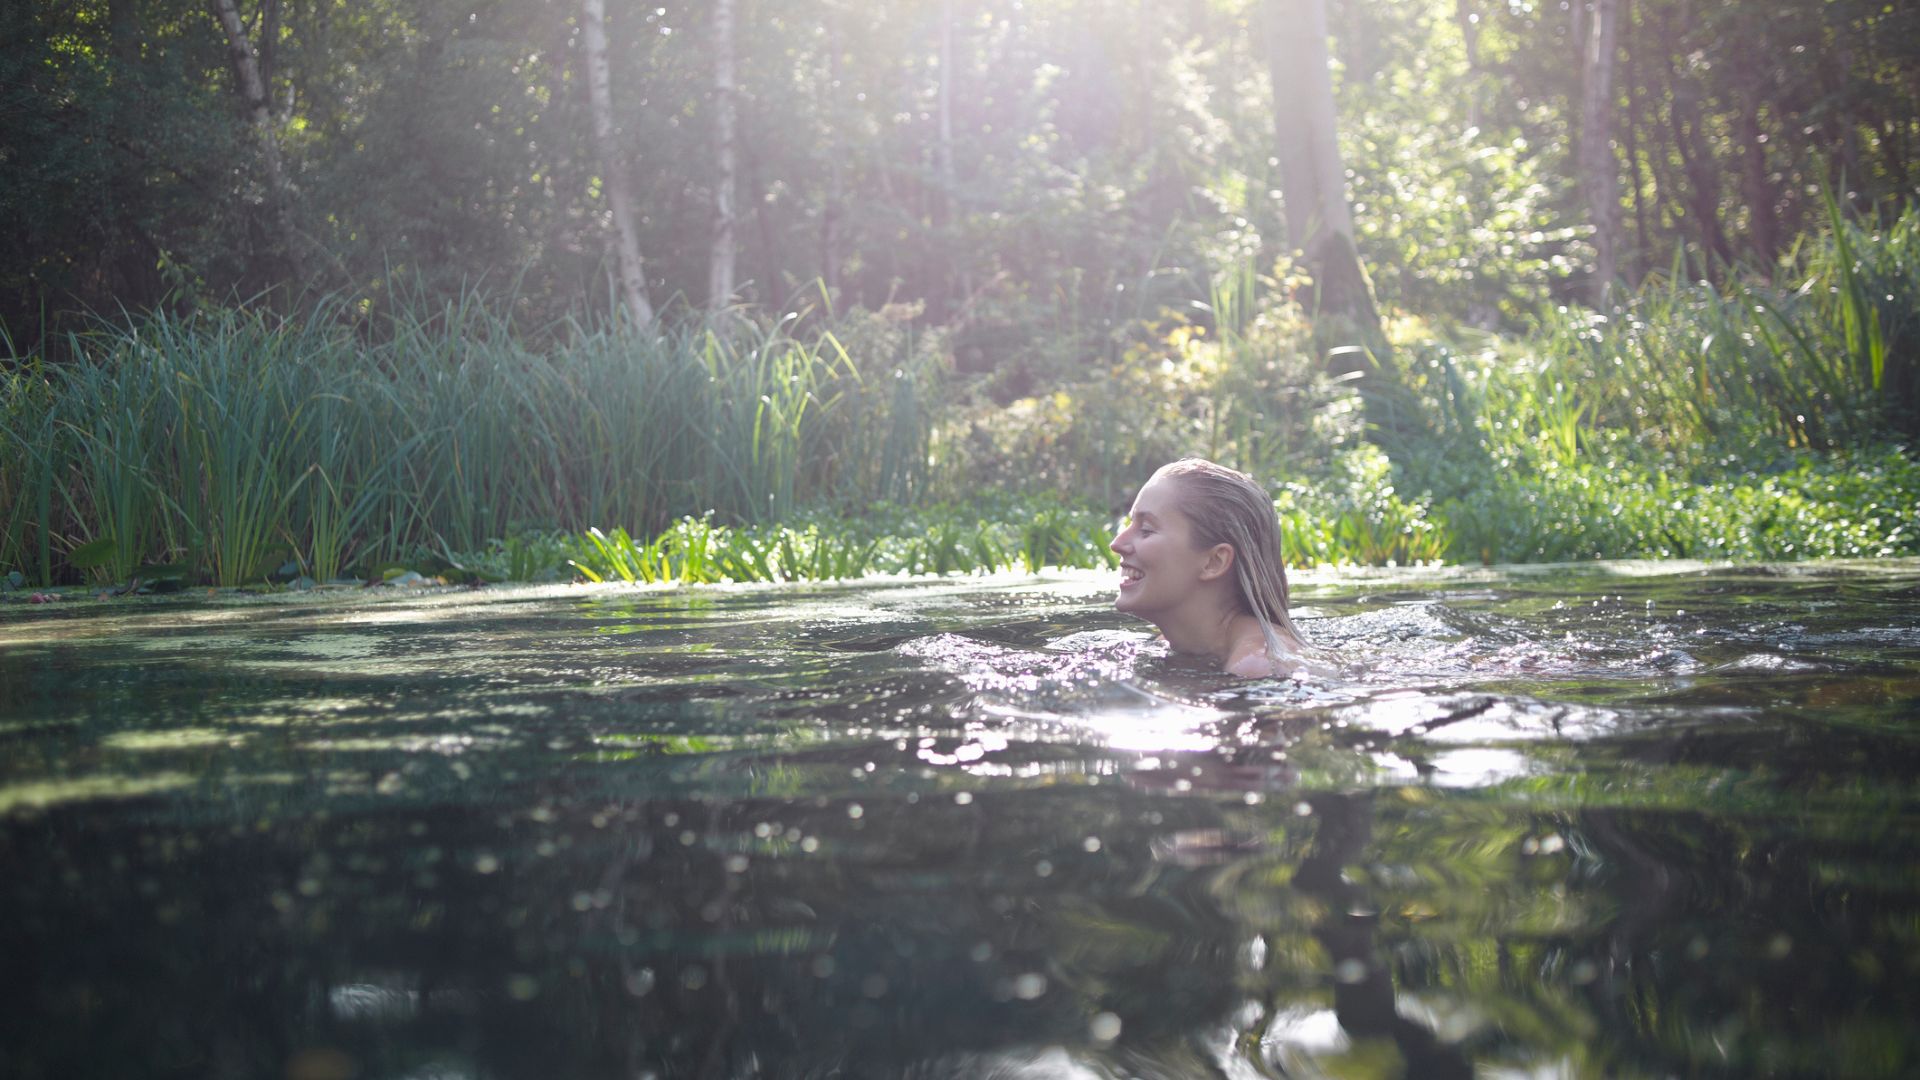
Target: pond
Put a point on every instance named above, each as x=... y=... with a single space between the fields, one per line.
x=1614 y=819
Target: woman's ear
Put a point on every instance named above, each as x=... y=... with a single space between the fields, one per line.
x=1219 y=561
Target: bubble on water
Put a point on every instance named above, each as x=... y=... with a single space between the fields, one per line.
x=640 y=983
x=1091 y=844
x=1029 y=986
x=1350 y=971
x=1104 y=1027
x=1302 y=808
x=486 y=864
x=963 y=798
x=1043 y=868
x=855 y=811
x=810 y=844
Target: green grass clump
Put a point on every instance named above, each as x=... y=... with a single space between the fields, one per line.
x=235 y=440
x=1850 y=504
x=820 y=547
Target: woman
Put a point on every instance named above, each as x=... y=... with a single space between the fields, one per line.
x=1200 y=559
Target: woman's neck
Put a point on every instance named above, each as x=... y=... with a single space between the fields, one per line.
x=1207 y=628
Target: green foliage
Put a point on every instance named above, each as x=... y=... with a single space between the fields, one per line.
x=1744 y=422
x=991 y=536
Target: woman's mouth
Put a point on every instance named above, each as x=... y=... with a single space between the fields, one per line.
x=1130 y=575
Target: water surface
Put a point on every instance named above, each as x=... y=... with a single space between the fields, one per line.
x=1599 y=820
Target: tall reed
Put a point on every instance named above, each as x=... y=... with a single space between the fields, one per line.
x=238 y=440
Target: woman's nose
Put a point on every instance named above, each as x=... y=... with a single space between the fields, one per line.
x=1116 y=546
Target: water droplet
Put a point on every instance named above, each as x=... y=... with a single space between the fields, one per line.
x=1091 y=844
x=854 y=811
x=1029 y=986
x=1104 y=1027
x=963 y=798
x=486 y=864
x=640 y=983
x=1302 y=808
x=1043 y=868
x=1350 y=971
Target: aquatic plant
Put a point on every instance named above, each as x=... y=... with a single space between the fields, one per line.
x=233 y=438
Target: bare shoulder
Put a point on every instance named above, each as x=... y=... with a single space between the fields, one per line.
x=1256 y=665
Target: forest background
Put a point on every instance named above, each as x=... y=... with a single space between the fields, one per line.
x=300 y=288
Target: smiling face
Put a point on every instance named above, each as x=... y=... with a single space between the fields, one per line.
x=1160 y=566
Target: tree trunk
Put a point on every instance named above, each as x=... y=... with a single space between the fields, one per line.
x=943 y=150
x=1757 y=189
x=269 y=43
x=1469 y=21
x=945 y=206
x=1312 y=178
x=631 y=271
x=253 y=94
x=1637 y=190
x=831 y=211
x=720 y=263
x=1599 y=171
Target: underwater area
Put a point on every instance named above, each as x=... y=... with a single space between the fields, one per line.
x=1598 y=819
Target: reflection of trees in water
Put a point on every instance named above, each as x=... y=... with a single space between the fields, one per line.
x=703 y=937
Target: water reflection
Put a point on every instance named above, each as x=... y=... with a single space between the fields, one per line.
x=967 y=830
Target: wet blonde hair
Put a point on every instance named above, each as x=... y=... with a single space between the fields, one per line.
x=1227 y=507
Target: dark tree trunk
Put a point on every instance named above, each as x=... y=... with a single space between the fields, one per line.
x=1756 y=187
x=1635 y=97
x=1312 y=178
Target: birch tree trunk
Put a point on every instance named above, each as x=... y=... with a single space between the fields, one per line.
x=835 y=198
x=1313 y=181
x=720 y=263
x=1599 y=172
x=944 y=149
x=628 y=266
x=253 y=94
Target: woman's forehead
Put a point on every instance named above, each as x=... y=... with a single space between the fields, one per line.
x=1157 y=497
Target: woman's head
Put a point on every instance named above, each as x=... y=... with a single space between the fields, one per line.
x=1200 y=526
